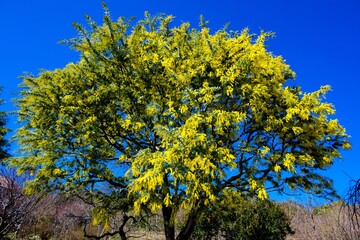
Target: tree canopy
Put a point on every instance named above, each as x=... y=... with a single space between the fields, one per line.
x=174 y=118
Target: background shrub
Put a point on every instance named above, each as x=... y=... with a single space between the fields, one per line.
x=246 y=219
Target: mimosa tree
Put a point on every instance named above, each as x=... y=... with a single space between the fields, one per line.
x=176 y=118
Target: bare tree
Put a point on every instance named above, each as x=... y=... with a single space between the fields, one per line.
x=352 y=207
x=15 y=207
x=53 y=218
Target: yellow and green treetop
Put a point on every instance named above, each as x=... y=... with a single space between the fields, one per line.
x=175 y=117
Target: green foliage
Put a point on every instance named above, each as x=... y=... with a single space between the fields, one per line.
x=323 y=209
x=3 y=131
x=243 y=220
x=174 y=117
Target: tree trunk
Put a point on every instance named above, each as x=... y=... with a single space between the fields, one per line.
x=121 y=230
x=188 y=228
x=122 y=235
x=168 y=224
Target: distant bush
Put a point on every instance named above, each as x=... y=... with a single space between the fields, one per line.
x=243 y=220
x=314 y=221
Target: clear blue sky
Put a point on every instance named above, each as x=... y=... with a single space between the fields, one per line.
x=319 y=39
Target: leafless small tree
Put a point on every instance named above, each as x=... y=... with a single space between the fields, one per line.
x=15 y=207
x=352 y=206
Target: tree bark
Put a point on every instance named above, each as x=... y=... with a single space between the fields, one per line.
x=191 y=221
x=121 y=230
x=122 y=235
x=168 y=224
x=188 y=228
